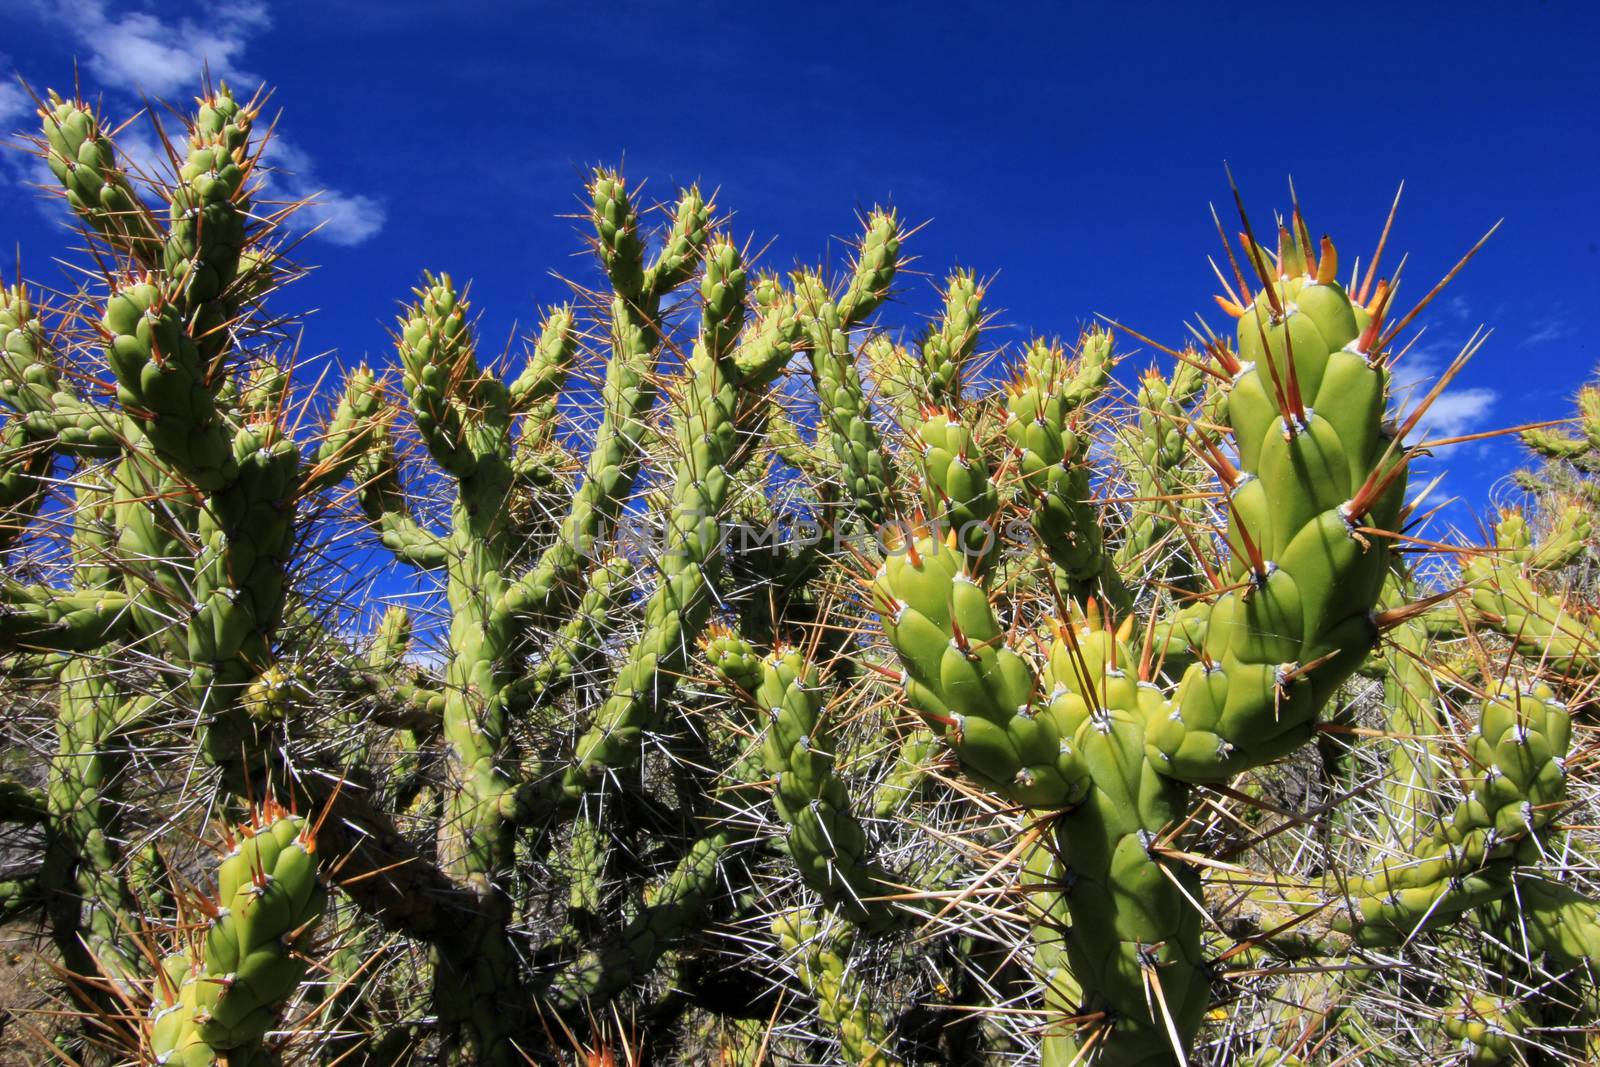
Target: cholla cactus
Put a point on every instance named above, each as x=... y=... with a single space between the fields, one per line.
x=217 y=997
x=1002 y=716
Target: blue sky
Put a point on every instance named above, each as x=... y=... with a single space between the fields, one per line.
x=1069 y=150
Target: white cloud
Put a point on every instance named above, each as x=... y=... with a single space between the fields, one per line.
x=139 y=53
x=344 y=218
x=1454 y=413
x=15 y=107
x=1547 y=330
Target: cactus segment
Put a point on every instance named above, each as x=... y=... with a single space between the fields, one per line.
x=208 y=218
x=48 y=413
x=628 y=392
x=826 y=840
x=961 y=491
x=970 y=686
x=580 y=642
x=84 y=161
x=166 y=384
x=1519 y=755
x=1041 y=424
x=221 y=993
x=1554 y=631
x=856 y=443
x=1155 y=451
x=1315 y=470
x=821 y=957
x=706 y=435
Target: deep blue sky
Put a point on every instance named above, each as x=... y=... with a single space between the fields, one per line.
x=1069 y=149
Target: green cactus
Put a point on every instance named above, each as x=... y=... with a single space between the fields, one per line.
x=826 y=840
x=1555 y=631
x=1157 y=455
x=1041 y=416
x=856 y=444
x=1049 y=805
x=629 y=391
x=1518 y=753
x=821 y=957
x=217 y=997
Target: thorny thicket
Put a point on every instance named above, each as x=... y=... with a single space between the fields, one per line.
x=1196 y=739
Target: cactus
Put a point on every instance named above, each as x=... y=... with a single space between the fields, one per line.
x=1026 y=776
x=825 y=840
x=1162 y=467
x=218 y=996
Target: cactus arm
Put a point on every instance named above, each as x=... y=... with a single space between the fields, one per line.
x=208 y=218
x=1315 y=465
x=784 y=437
x=533 y=392
x=627 y=394
x=1041 y=424
x=581 y=640
x=705 y=429
x=1518 y=753
x=22 y=805
x=48 y=410
x=166 y=386
x=1154 y=450
x=383 y=501
x=948 y=348
x=1546 y=629
x=959 y=488
x=83 y=806
x=671 y=907
x=24 y=485
x=826 y=840
x=439 y=371
x=827 y=322
x=63 y=620
x=934 y=380
x=540 y=458
x=1410 y=697
x=680 y=253
x=1557 y=445
x=464 y=418
x=877 y=259
x=83 y=158
x=1552 y=444
x=1110 y=864
x=344 y=441
x=968 y=684
x=217 y=997
x=821 y=959
x=1555 y=919
x=767 y=346
x=907 y=776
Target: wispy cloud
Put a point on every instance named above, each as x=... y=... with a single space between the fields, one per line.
x=1546 y=330
x=345 y=218
x=15 y=107
x=1455 y=412
x=139 y=54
